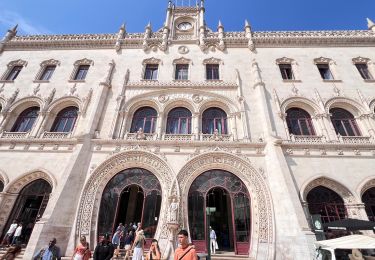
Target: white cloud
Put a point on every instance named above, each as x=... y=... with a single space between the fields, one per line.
x=10 y=19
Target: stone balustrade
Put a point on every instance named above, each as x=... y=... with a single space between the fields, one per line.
x=56 y=135
x=15 y=135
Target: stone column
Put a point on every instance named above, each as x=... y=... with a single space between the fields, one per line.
x=195 y=125
x=292 y=229
x=5 y=120
x=159 y=125
x=233 y=124
x=7 y=201
x=122 y=129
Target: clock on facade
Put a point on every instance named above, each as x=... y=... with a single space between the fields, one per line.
x=184 y=26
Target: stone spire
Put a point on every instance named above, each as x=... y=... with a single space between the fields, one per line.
x=249 y=36
x=147 y=35
x=120 y=35
x=220 y=29
x=7 y=37
x=370 y=24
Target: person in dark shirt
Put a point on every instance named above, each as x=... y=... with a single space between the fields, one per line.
x=104 y=250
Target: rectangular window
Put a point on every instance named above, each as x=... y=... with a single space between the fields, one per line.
x=182 y=72
x=13 y=74
x=81 y=72
x=151 y=72
x=212 y=71
x=363 y=70
x=286 y=71
x=325 y=72
x=47 y=73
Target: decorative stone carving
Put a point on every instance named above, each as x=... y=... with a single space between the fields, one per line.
x=323 y=60
x=163 y=98
x=345 y=194
x=151 y=61
x=182 y=60
x=361 y=60
x=140 y=134
x=173 y=211
x=212 y=60
x=216 y=136
x=84 y=62
x=197 y=98
x=183 y=50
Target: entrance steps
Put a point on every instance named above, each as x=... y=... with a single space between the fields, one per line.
x=3 y=250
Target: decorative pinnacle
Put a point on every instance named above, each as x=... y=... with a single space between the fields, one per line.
x=220 y=25
x=247 y=24
x=370 y=24
x=14 y=29
x=122 y=27
x=148 y=25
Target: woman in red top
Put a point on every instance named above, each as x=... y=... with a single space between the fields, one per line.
x=82 y=251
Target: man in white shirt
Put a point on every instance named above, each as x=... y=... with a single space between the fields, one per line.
x=17 y=235
x=9 y=234
x=213 y=242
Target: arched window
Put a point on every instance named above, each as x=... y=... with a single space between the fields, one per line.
x=65 y=120
x=327 y=203
x=179 y=121
x=1 y=186
x=368 y=199
x=299 y=122
x=214 y=118
x=344 y=122
x=144 y=118
x=26 y=120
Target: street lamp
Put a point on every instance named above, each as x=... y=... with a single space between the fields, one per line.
x=209 y=210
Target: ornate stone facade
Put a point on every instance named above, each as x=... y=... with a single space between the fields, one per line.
x=254 y=141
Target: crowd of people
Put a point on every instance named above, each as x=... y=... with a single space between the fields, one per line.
x=130 y=237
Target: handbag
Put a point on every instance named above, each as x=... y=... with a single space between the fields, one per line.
x=216 y=245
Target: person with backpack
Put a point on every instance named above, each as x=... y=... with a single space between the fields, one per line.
x=184 y=250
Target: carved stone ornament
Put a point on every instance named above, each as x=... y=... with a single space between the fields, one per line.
x=84 y=62
x=18 y=62
x=323 y=60
x=361 y=60
x=212 y=60
x=197 y=98
x=183 y=50
x=182 y=60
x=151 y=61
x=284 y=60
x=50 y=62
x=163 y=98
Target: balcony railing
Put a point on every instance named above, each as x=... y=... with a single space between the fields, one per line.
x=178 y=137
x=355 y=139
x=143 y=136
x=213 y=137
x=307 y=139
x=56 y=135
x=15 y=135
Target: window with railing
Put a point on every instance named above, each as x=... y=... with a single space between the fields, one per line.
x=299 y=122
x=344 y=122
x=26 y=120
x=214 y=118
x=145 y=118
x=65 y=120
x=179 y=121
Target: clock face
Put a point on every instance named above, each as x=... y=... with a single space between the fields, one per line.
x=184 y=26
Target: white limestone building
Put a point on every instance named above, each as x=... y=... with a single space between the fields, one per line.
x=268 y=128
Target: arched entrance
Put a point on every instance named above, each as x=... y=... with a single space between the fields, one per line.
x=229 y=197
x=368 y=198
x=30 y=206
x=132 y=195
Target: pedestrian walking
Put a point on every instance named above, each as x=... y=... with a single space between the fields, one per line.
x=82 y=251
x=104 y=250
x=51 y=252
x=213 y=241
x=184 y=250
x=9 y=235
x=116 y=241
x=138 y=245
x=129 y=238
x=17 y=235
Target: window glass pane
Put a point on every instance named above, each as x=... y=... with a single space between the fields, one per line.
x=242 y=217
x=196 y=216
x=344 y=122
x=151 y=213
x=26 y=120
x=212 y=71
x=14 y=73
x=151 y=72
x=299 y=122
x=179 y=121
x=65 y=120
x=182 y=71
x=286 y=71
x=325 y=72
x=144 y=118
x=214 y=118
x=47 y=73
x=363 y=71
x=82 y=72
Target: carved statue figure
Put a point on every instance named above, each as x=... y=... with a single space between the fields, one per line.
x=173 y=211
x=216 y=136
x=140 y=134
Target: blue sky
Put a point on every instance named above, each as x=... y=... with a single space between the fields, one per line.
x=106 y=16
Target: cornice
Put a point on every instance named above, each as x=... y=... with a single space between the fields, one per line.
x=231 y=39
